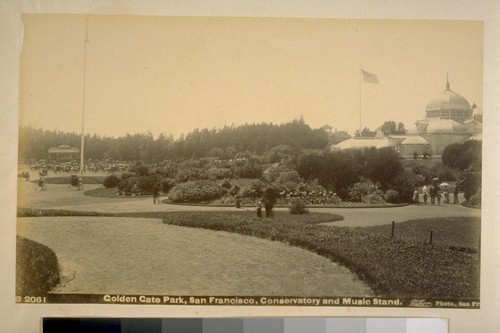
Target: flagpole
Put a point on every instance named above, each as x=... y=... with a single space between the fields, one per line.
x=360 y=83
x=82 y=143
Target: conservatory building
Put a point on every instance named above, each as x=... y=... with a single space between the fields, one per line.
x=448 y=119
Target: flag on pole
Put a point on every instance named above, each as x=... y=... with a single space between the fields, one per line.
x=369 y=77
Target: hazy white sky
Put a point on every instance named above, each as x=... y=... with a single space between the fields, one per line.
x=175 y=74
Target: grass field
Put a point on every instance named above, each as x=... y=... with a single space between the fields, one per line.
x=405 y=266
x=66 y=180
x=461 y=233
x=392 y=267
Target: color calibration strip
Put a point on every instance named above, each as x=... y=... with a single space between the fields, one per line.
x=245 y=325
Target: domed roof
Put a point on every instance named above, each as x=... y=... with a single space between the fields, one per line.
x=449 y=104
x=445 y=126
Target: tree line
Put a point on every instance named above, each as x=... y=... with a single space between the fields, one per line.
x=225 y=142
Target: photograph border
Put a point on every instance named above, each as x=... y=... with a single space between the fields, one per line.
x=27 y=316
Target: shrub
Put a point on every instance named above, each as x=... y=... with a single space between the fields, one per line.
x=289 y=176
x=273 y=157
x=391 y=196
x=219 y=173
x=191 y=173
x=37 y=270
x=253 y=190
x=376 y=197
x=358 y=191
x=470 y=181
x=196 y=191
x=445 y=173
x=475 y=199
x=405 y=183
x=111 y=181
x=142 y=184
x=298 y=207
x=126 y=175
x=167 y=184
x=146 y=184
x=127 y=184
x=234 y=190
x=247 y=169
x=226 y=184
x=141 y=170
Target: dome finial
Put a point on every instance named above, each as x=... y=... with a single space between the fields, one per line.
x=447 y=82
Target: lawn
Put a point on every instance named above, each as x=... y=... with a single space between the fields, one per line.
x=460 y=233
x=405 y=266
x=66 y=180
x=393 y=267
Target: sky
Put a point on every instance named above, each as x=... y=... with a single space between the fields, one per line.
x=174 y=74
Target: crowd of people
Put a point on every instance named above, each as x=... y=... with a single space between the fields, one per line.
x=435 y=194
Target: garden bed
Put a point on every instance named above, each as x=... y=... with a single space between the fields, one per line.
x=230 y=201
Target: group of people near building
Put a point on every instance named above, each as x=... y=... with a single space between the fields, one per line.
x=435 y=195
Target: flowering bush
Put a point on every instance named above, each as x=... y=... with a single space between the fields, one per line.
x=219 y=173
x=298 y=207
x=391 y=196
x=234 y=190
x=253 y=190
x=196 y=191
x=359 y=190
x=138 y=185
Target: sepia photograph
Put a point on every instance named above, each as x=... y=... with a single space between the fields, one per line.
x=249 y=161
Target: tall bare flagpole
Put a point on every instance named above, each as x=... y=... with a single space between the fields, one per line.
x=360 y=84
x=82 y=144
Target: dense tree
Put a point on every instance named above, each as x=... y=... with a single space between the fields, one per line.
x=364 y=133
x=390 y=127
x=223 y=143
x=382 y=165
x=339 y=170
x=465 y=157
x=461 y=156
x=405 y=183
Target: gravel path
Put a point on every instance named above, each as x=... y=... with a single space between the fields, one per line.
x=106 y=255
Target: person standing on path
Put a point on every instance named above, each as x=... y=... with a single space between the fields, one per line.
x=259 y=208
x=433 y=194
x=156 y=193
x=455 y=195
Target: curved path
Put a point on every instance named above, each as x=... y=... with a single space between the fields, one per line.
x=105 y=255
x=66 y=197
x=144 y=256
x=132 y=255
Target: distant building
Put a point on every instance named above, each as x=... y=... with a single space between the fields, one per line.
x=448 y=120
x=335 y=136
x=63 y=153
